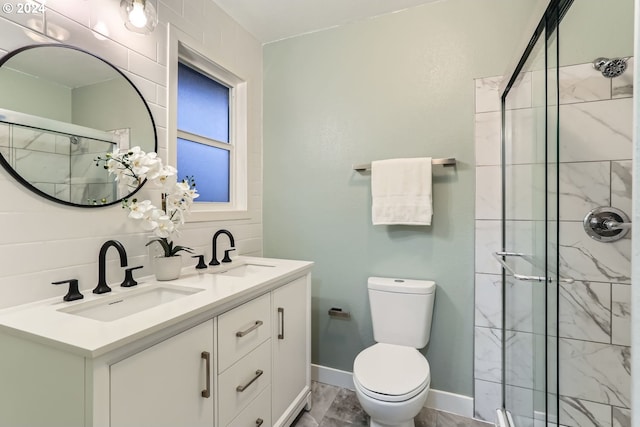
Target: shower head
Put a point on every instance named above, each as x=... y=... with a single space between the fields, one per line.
x=74 y=139
x=611 y=68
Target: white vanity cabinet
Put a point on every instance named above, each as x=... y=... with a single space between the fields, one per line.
x=166 y=385
x=291 y=346
x=241 y=360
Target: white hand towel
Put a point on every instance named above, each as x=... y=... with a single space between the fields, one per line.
x=401 y=191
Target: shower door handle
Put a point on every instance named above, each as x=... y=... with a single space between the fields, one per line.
x=499 y=255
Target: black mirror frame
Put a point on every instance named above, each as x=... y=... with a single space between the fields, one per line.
x=41 y=193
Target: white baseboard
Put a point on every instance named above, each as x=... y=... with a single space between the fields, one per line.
x=450 y=402
x=440 y=400
x=331 y=376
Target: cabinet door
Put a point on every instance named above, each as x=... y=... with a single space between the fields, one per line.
x=163 y=385
x=291 y=344
x=40 y=385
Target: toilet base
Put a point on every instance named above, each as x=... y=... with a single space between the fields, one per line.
x=391 y=414
x=373 y=423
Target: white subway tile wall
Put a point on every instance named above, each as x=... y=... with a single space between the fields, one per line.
x=43 y=241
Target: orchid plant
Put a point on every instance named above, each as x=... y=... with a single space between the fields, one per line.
x=131 y=168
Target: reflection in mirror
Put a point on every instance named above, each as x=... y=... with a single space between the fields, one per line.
x=61 y=108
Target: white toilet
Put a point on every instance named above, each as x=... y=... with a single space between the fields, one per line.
x=392 y=377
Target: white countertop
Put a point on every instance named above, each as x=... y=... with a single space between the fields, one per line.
x=42 y=321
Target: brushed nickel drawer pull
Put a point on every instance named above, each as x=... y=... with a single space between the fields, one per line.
x=242 y=388
x=281 y=316
x=259 y=422
x=255 y=326
x=207 y=358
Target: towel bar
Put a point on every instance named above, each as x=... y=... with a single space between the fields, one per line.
x=448 y=161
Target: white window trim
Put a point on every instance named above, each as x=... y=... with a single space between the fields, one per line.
x=183 y=46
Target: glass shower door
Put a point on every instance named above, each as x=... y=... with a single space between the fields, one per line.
x=530 y=191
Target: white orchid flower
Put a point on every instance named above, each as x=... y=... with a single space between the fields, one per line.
x=167 y=178
x=130 y=167
x=186 y=192
x=165 y=227
x=138 y=210
x=154 y=171
x=149 y=219
x=139 y=166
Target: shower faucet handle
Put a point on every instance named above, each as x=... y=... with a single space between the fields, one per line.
x=606 y=224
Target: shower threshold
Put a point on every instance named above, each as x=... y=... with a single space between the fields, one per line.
x=503 y=418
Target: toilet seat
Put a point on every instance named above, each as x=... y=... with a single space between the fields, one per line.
x=391 y=373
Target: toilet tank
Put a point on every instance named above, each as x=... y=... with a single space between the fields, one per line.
x=401 y=310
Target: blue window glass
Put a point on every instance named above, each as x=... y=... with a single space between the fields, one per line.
x=203 y=105
x=209 y=166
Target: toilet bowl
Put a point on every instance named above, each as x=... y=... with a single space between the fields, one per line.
x=392 y=378
x=391 y=383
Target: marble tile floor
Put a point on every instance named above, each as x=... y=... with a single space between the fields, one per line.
x=339 y=407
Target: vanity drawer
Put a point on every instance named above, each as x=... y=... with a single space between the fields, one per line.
x=251 y=374
x=258 y=413
x=242 y=329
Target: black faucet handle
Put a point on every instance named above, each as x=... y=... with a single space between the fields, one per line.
x=226 y=255
x=129 y=281
x=201 y=263
x=73 y=293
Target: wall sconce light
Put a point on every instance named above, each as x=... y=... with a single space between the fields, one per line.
x=139 y=15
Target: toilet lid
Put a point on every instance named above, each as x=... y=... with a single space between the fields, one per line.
x=391 y=370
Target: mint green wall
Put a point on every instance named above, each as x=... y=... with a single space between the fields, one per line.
x=582 y=38
x=38 y=97
x=93 y=107
x=399 y=85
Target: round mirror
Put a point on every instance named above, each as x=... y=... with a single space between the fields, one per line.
x=60 y=109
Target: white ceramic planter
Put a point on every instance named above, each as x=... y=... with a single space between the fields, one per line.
x=167 y=268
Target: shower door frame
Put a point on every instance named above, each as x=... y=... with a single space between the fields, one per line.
x=546 y=29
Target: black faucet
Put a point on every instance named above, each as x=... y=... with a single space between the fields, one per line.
x=102 y=286
x=214 y=258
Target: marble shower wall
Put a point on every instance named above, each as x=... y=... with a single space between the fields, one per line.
x=594 y=313
x=70 y=173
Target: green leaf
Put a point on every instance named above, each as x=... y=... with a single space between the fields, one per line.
x=181 y=248
x=165 y=246
x=168 y=248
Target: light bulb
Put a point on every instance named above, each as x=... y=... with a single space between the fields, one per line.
x=137 y=17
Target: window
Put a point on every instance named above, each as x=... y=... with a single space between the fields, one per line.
x=207 y=129
x=203 y=147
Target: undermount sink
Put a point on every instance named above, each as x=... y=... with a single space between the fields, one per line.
x=115 y=307
x=243 y=270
